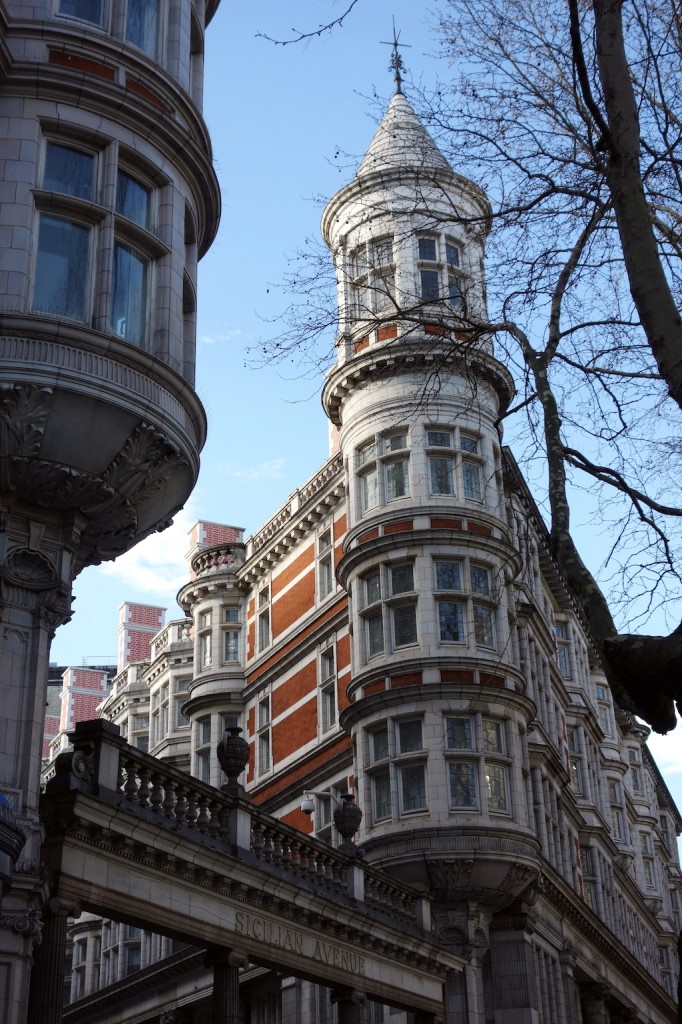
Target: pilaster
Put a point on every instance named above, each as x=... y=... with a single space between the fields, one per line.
x=46 y=997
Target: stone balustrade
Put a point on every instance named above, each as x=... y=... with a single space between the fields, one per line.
x=103 y=763
x=178 y=631
x=218 y=558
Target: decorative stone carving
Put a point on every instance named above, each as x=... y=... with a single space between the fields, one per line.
x=233 y=754
x=23 y=415
x=144 y=464
x=30 y=570
x=28 y=924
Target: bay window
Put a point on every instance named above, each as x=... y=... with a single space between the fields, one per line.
x=70 y=276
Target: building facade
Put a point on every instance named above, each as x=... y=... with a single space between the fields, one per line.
x=398 y=629
x=108 y=199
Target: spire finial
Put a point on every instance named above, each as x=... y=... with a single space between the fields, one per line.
x=396 y=63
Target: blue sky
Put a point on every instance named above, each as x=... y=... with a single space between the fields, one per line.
x=288 y=124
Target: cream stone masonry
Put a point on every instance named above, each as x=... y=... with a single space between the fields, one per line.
x=107 y=200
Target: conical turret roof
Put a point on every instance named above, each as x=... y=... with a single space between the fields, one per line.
x=402 y=143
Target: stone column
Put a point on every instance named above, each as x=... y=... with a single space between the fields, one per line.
x=225 y=998
x=350 y=1004
x=455 y=999
x=46 y=996
x=593 y=1001
x=514 y=973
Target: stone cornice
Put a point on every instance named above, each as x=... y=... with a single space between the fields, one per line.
x=414 y=356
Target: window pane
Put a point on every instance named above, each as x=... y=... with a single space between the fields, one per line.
x=380 y=744
x=204 y=730
x=373 y=588
x=427 y=249
x=68 y=170
x=264 y=752
x=327 y=664
x=430 y=285
x=441 y=476
x=232 y=646
x=366 y=454
x=496 y=782
x=410 y=736
x=369 y=494
x=451 y=254
x=326 y=576
x=384 y=292
x=263 y=713
x=413 y=786
x=204 y=768
x=405 y=625
x=468 y=444
x=61 y=268
x=562 y=661
x=451 y=621
x=471 y=475
x=231 y=615
x=396 y=479
x=459 y=734
x=462 y=784
x=454 y=291
x=382 y=252
x=129 y=306
x=448 y=576
x=396 y=442
x=402 y=579
x=263 y=630
x=439 y=439
x=480 y=580
x=142 y=24
x=375 y=634
x=328 y=701
x=132 y=199
x=381 y=785
x=483 y=625
x=88 y=10
x=493 y=736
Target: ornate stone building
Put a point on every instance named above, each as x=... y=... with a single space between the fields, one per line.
x=108 y=198
x=398 y=628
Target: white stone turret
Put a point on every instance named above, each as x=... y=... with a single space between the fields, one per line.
x=438 y=710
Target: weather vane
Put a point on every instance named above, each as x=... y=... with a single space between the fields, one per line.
x=396 y=63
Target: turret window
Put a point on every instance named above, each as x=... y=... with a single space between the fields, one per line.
x=390 y=608
x=454 y=463
x=86 y=10
x=383 y=470
x=439 y=277
x=373 y=278
x=469 y=612
x=400 y=784
x=486 y=775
